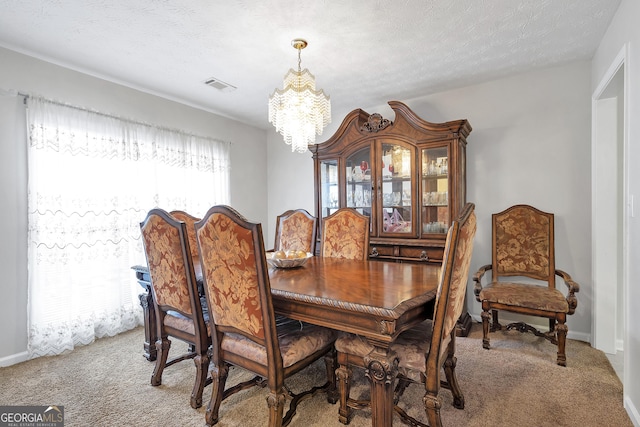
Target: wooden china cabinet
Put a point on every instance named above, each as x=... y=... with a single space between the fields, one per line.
x=408 y=175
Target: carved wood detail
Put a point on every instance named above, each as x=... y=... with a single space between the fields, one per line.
x=375 y=123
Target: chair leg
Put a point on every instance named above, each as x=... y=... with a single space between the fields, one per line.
x=202 y=363
x=402 y=385
x=275 y=402
x=162 y=348
x=561 y=332
x=452 y=379
x=344 y=387
x=331 y=361
x=219 y=379
x=432 y=406
x=495 y=324
x=485 y=329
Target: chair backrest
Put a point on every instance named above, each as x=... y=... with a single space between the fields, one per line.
x=345 y=234
x=236 y=279
x=173 y=281
x=452 y=287
x=296 y=230
x=523 y=244
x=190 y=222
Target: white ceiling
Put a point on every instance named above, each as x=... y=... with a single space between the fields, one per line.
x=363 y=53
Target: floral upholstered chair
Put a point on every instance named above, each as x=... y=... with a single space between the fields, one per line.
x=296 y=230
x=427 y=349
x=189 y=221
x=523 y=247
x=242 y=320
x=345 y=234
x=176 y=301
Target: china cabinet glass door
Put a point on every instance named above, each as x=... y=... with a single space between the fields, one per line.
x=358 y=181
x=435 y=190
x=396 y=189
x=329 y=187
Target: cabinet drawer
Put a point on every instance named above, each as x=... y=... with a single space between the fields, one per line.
x=423 y=254
x=382 y=251
x=405 y=253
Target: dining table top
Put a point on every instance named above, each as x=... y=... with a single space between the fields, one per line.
x=373 y=298
x=377 y=299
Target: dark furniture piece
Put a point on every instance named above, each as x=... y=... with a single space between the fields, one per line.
x=377 y=300
x=408 y=175
x=427 y=349
x=242 y=321
x=146 y=301
x=177 y=307
x=523 y=247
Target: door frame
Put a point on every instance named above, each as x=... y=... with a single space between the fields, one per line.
x=605 y=292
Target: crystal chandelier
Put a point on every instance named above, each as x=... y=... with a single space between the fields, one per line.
x=299 y=112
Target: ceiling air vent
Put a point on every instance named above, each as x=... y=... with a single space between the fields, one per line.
x=219 y=84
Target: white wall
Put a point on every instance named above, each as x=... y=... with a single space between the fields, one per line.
x=530 y=143
x=32 y=76
x=623 y=31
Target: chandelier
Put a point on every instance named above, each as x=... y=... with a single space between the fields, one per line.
x=299 y=112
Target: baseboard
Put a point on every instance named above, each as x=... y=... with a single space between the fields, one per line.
x=632 y=411
x=578 y=336
x=13 y=359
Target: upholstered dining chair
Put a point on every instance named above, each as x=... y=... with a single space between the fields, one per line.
x=179 y=312
x=242 y=320
x=345 y=234
x=426 y=349
x=523 y=247
x=189 y=221
x=296 y=230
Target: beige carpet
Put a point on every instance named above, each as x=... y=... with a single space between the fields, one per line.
x=517 y=383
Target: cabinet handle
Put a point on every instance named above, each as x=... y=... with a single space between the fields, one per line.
x=424 y=256
x=374 y=252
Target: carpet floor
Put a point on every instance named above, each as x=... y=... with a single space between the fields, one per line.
x=516 y=383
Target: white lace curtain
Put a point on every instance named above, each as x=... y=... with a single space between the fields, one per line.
x=92 y=178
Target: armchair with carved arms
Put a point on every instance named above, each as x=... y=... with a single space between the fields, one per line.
x=523 y=248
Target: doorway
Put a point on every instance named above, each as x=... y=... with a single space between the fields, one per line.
x=609 y=212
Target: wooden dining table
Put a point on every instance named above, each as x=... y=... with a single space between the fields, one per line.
x=374 y=299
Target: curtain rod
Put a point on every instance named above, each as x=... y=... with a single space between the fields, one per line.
x=13 y=92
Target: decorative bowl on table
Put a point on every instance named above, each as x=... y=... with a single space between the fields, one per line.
x=288 y=259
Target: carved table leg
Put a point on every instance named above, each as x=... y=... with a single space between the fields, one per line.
x=150 y=334
x=343 y=373
x=382 y=370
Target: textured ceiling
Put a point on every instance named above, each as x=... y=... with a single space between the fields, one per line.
x=363 y=53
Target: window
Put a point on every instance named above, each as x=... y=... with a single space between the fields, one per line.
x=92 y=179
